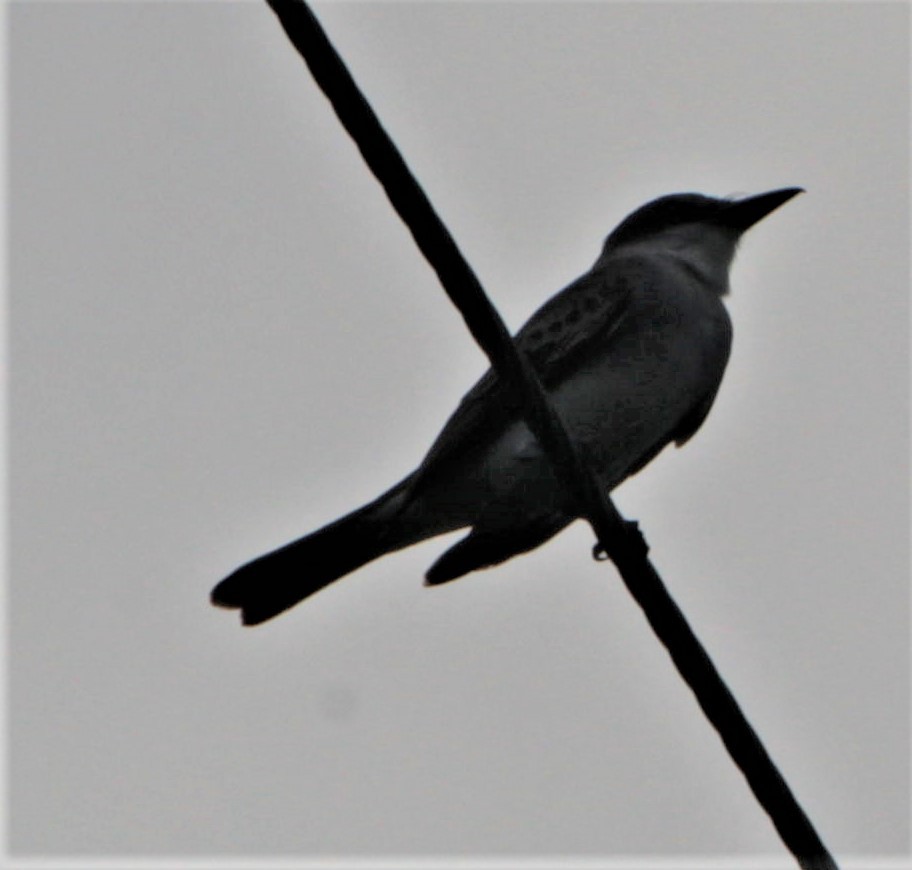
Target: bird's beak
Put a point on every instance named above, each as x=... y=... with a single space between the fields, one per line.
x=746 y=212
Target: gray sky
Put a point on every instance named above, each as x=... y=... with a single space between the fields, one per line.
x=221 y=337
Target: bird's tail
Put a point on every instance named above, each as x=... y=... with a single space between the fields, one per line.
x=270 y=584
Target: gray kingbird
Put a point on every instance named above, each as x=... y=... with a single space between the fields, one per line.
x=631 y=354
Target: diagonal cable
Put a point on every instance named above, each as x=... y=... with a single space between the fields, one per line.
x=620 y=539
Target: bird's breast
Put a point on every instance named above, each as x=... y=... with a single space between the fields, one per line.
x=632 y=393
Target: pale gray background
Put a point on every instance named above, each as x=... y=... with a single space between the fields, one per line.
x=221 y=337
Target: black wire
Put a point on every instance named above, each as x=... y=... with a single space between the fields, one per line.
x=620 y=539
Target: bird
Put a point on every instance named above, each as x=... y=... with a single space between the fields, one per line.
x=631 y=356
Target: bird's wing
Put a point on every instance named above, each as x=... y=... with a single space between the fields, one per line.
x=583 y=315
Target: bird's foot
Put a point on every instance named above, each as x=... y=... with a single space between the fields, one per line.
x=635 y=541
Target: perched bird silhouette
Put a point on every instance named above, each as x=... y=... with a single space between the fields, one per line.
x=631 y=354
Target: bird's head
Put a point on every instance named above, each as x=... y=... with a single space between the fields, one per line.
x=681 y=210
x=701 y=228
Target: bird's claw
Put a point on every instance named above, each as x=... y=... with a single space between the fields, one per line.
x=635 y=541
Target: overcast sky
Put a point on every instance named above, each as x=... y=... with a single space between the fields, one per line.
x=221 y=337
